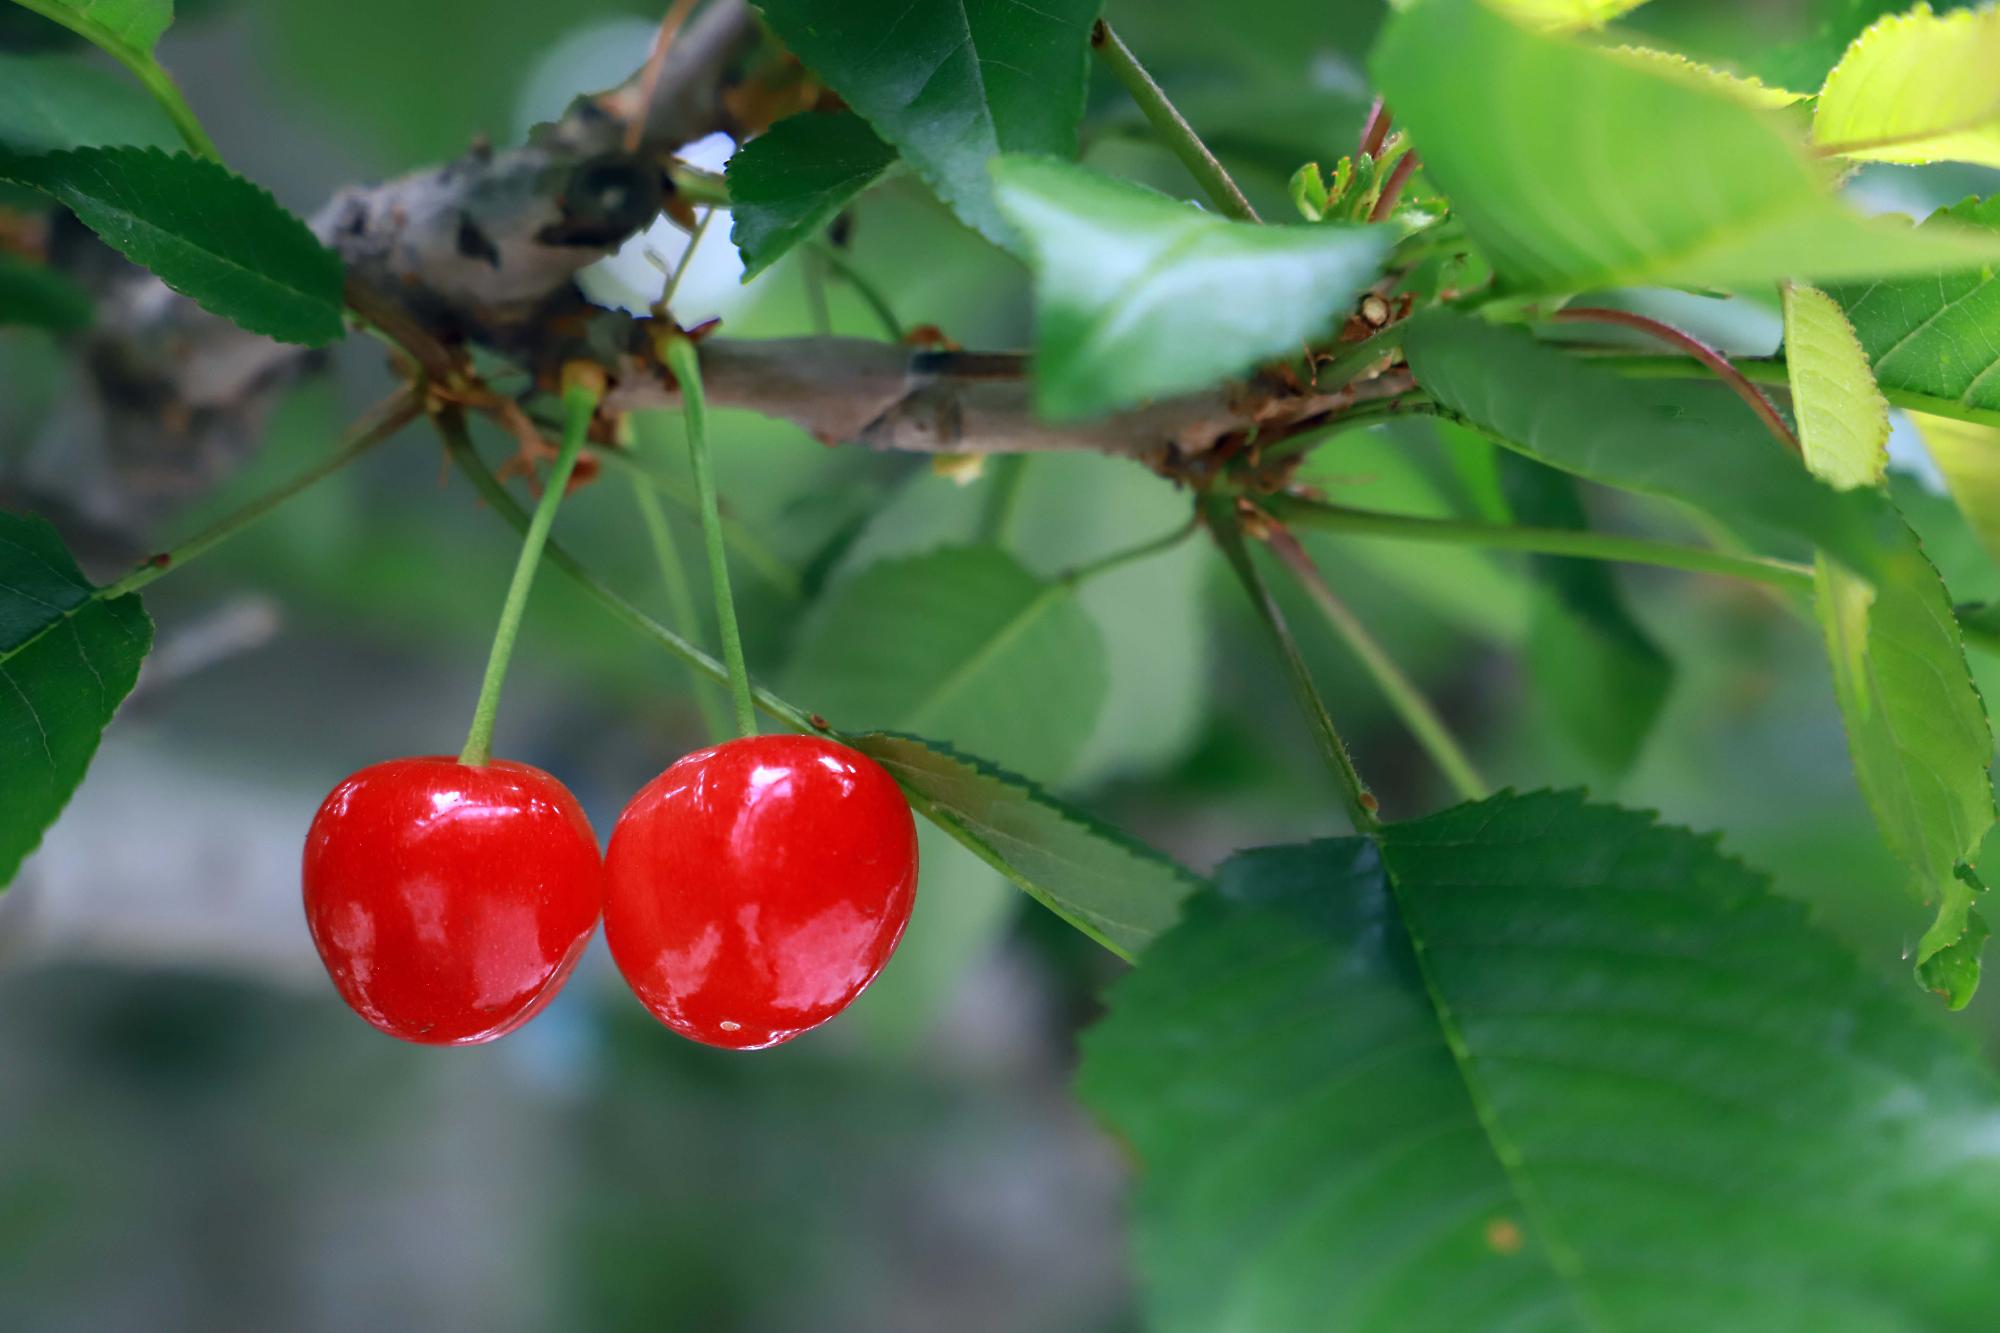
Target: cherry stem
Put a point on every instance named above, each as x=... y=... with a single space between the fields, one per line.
x=1722 y=367
x=680 y=598
x=579 y=406
x=451 y=425
x=381 y=421
x=1403 y=694
x=678 y=351
x=1171 y=125
x=1227 y=529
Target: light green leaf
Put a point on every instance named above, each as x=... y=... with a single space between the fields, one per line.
x=1843 y=418
x=789 y=182
x=54 y=102
x=1938 y=333
x=205 y=232
x=1118 y=891
x=1538 y=1064
x=128 y=28
x=1742 y=87
x=1139 y=296
x=1593 y=665
x=1969 y=458
x=1916 y=87
x=1571 y=167
x=963 y=644
x=1565 y=15
x=37 y=295
x=951 y=83
x=1915 y=724
x=67 y=659
x=1704 y=449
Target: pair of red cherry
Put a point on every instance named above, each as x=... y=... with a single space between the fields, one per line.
x=750 y=892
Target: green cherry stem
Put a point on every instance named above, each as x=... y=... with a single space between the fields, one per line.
x=678 y=352
x=1228 y=532
x=680 y=598
x=451 y=426
x=580 y=398
x=1170 y=124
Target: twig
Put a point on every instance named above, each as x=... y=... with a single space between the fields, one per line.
x=1374 y=129
x=649 y=76
x=1580 y=543
x=1700 y=351
x=1392 y=189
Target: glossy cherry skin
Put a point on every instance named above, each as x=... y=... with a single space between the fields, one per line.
x=450 y=902
x=753 y=889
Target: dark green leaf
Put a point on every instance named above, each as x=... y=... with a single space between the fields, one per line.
x=54 y=102
x=206 y=233
x=951 y=83
x=1936 y=333
x=963 y=644
x=1538 y=1064
x=1575 y=168
x=1595 y=667
x=789 y=182
x=67 y=659
x=1658 y=439
x=1115 y=890
x=1138 y=295
x=37 y=295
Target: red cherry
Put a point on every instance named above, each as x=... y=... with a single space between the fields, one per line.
x=450 y=902
x=753 y=889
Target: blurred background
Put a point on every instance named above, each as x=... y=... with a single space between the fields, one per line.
x=195 y=1134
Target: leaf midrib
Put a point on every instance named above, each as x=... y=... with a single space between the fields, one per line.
x=956 y=680
x=1562 y=1257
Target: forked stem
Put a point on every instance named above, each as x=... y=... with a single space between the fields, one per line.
x=1402 y=692
x=1228 y=531
x=581 y=392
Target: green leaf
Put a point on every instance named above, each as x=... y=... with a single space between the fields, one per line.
x=1700 y=447
x=963 y=644
x=789 y=182
x=1138 y=295
x=127 y=28
x=1915 y=724
x=1596 y=669
x=1118 y=891
x=37 y=295
x=1843 y=419
x=54 y=102
x=1565 y=15
x=1571 y=167
x=951 y=83
x=1916 y=87
x=1538 y=1064
x=1742 y=87
x=1969 y=458
x=67 y=659
x=1937 y=334
x=205 y=232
